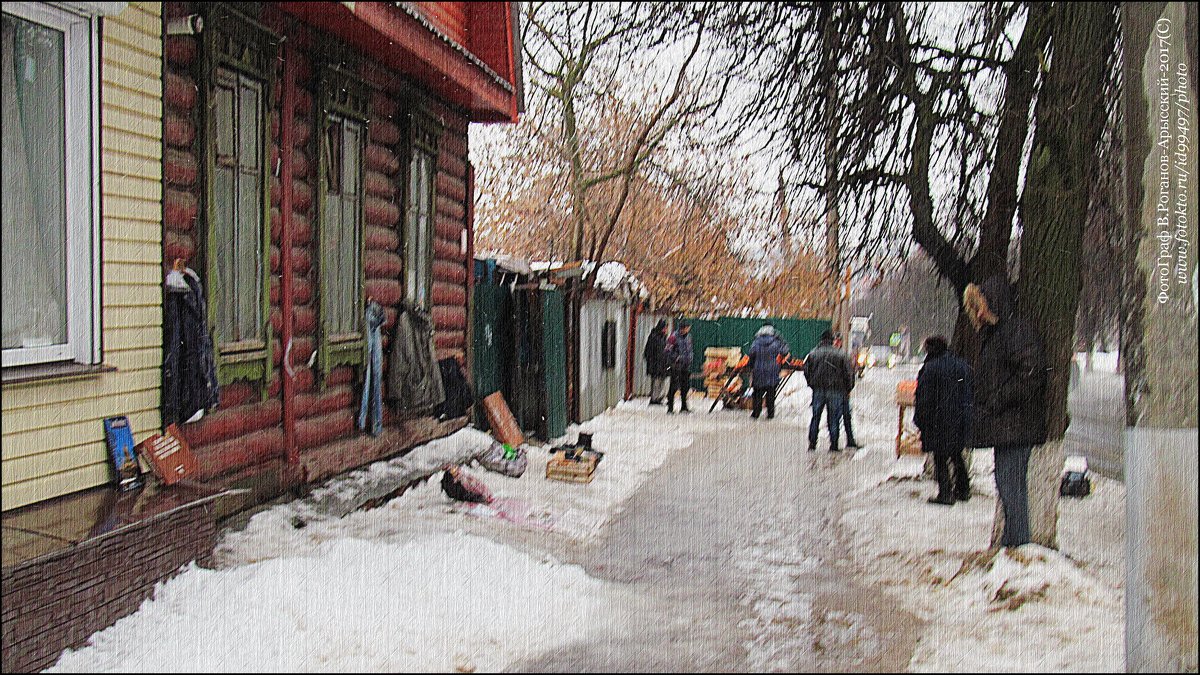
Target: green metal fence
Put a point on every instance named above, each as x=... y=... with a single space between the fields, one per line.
x=802 y=335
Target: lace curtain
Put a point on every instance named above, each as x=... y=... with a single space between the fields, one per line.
x=33 y=212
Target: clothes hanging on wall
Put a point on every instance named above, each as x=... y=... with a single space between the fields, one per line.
x=414 y=380
x=189 y=368
x=373 y=374
x=459 y=396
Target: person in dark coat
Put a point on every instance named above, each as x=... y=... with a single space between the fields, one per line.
x=830 y=373
x=679 y=357
x=765 y=353
x=847 y=409
x=657 y=367
x=943 y=414
x=1010 y=388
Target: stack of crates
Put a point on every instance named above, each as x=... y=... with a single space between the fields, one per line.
x=717 y=361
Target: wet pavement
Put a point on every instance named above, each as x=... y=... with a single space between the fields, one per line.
x=733 y=562
x=1097 y=409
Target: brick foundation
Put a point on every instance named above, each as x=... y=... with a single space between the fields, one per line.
x=57 y=601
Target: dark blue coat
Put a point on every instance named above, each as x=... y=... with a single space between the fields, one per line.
x=763 y=355
x=679 y=352
x=189 y=369
x=943 y=405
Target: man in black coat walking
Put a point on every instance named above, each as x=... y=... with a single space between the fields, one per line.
x=657 y=365
x=1010 y=387
x=943 y=410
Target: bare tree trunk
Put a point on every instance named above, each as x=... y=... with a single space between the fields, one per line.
x=1158 y=341
x=995 y=234
x=1070 y=119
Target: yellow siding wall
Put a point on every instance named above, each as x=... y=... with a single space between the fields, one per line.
x=53 y=433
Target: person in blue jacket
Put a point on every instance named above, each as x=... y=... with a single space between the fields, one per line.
x=679 y=356
x=765 y=353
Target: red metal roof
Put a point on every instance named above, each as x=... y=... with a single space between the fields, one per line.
x=467 y=53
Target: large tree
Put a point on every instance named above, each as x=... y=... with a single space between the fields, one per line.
x=1071 y=116
x=932 y=136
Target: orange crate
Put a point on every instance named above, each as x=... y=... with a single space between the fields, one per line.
x=500 y=419
x=169 y=456
x=906 y=393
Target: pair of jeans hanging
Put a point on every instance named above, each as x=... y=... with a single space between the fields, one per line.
x=372 y=394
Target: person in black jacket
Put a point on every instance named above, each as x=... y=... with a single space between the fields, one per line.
x=657 y=367
x=830 y=373
x=1010 y=387
x=943 y=410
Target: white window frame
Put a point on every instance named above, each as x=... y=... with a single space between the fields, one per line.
x=82 y=185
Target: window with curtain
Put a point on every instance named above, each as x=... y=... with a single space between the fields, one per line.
x=341 y=229
x=50 y=307
x=236 y=230
x=418 y=235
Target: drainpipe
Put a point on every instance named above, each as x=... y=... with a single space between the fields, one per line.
x=287 y=124
x=469 y=250
x=631 y=348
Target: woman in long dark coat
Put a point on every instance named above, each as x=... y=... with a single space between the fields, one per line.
x=943 y=414
x=657 y=366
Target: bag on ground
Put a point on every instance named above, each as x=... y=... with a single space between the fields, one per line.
x=464 y=487
x=1075 y=484
x=499 y=459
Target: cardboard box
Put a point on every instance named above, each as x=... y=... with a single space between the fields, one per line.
x=504 y=426
x=169 y=455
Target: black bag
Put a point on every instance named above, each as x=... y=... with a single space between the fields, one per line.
x=1075 y=484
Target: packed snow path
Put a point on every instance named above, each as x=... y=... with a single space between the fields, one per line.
x=706 y=542
x=732 y=550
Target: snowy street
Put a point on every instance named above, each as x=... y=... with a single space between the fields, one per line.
x=706 y=542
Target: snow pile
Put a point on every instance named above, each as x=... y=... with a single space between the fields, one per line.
x=609 y=275
x=347 y=492
x=1032 y=573
x=1029 y=609
x=432 y=604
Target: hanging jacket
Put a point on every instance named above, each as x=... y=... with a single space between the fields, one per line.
x=458 y=391
x=414 y=379
x=189 y=368
x=764 y=354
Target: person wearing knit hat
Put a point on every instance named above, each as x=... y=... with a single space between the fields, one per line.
x=679 y=357
x=830 y=373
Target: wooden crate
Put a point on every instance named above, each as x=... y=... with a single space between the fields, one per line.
x=730 y=354
x=571 y=471
x=910 y=444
